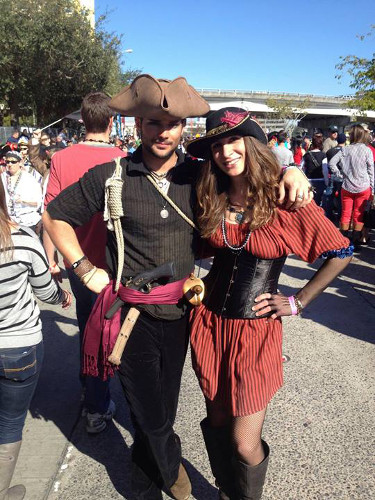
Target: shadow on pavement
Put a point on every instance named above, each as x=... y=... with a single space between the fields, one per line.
x=344 y=312
x=58 y=399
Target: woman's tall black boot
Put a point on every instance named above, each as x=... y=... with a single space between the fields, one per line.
x=219 y=447
x=250 y=479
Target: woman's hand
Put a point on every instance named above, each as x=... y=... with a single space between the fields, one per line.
x=55 y=271
x=37 y=134
x=298 y=187
x=67 y=302
x=97 y=281
x=277 y=303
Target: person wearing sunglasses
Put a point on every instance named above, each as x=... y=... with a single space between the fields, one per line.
x=23 y=193
x=23 y=148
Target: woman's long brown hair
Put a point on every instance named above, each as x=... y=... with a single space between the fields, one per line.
x=262 y=172
x=6 y=244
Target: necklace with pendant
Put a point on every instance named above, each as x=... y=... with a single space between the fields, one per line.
x=240 y=214
x=164 y=214
x=163 y=183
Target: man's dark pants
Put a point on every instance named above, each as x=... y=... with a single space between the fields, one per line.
x=150 y=374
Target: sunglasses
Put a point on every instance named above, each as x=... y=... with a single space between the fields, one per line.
x=24 y=149
x=12 y=162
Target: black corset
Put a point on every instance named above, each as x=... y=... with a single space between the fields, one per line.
x=234 y=281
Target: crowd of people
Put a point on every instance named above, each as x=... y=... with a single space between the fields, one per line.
x=118 y=211
x=340 y=167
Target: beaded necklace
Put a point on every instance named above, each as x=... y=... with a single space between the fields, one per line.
x=12 y=193
x=233 y=248
x=97 y=140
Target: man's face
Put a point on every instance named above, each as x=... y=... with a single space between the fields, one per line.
x=13 y=165
x=334 y=135
x=160 y=138
x=24 y=151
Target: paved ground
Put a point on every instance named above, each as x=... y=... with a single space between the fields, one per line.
x=320 y=426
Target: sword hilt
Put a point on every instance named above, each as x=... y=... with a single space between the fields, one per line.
x=123 y=336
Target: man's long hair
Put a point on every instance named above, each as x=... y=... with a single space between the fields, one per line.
x=6 y=245
x=262 y=172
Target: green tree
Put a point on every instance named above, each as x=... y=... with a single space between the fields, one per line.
x=362 y=73
x=51 y=57
x=290 y=111
x=129 y=75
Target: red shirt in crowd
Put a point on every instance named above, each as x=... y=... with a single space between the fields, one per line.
x=67 y=167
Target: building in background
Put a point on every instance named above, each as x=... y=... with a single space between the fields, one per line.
x=90 y=6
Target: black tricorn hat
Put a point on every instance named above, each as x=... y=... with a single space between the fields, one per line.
x=223 y=123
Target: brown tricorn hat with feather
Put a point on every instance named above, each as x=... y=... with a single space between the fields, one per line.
x=148 y=97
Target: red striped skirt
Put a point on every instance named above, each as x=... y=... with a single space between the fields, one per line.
x=237 y=361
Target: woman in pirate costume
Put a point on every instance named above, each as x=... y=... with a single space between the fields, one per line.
x=236 y=334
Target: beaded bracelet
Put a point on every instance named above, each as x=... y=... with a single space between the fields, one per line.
x=298 y=303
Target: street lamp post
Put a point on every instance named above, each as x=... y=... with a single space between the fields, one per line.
x=126 y=51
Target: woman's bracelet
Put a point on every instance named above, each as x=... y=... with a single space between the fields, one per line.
x=295 y=305
x=298 y=303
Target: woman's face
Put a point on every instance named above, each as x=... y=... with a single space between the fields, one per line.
x=13 y=165
x=229 y=154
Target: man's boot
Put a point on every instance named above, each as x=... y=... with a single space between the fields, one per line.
x=219 y=447
x=181 y=489
x=250 y=479
x=8 y=459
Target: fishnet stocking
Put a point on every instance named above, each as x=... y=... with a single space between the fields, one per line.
x=247 y=433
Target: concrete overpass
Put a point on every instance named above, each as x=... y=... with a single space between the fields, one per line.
x=321 y=111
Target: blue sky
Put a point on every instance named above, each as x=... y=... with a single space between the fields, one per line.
x=288 y=46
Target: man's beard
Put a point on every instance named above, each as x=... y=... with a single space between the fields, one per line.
x=162 y=155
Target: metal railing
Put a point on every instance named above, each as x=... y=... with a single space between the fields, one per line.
x=237 y=92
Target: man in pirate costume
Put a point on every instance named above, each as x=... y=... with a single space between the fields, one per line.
x=154 y=233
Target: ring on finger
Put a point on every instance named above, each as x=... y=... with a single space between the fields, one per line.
x=300 y=196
